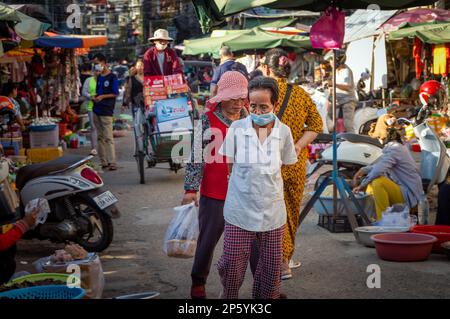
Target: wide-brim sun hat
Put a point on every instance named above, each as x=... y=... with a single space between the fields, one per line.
x=161 y=34
x=233 y=85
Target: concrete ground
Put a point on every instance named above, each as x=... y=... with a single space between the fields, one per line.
x=334 y=264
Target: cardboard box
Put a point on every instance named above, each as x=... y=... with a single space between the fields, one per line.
x=39 y=155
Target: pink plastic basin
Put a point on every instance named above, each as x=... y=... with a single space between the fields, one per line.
x=403 y=246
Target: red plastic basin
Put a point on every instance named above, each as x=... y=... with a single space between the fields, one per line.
x=403 y=246
x=442 y=233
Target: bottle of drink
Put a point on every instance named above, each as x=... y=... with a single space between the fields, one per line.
x=423 y=210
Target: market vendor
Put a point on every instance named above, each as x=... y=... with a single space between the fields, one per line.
x=161 y=59
x=394 y=178
x=8 y=240
x=345 y=90
x=10 y=90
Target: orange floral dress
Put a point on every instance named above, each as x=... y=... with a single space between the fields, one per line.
x=300 y=115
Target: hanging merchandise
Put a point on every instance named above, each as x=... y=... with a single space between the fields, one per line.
x=441 y=55
x=328 y=31
x=417 y=54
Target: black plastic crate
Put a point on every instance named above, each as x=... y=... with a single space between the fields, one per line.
x=338 y=224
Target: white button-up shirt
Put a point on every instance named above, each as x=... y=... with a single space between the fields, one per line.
x=255 y=200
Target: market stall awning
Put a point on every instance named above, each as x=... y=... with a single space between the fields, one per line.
x=211 y=13
x=365 y=23
x=7 y=13
x=20 y=55
x=26 y=27
x=71 y=41
x=416 y=16
x=210 y=44
x=242 y=40
x=30 y=28
x=428 y=33
x=263 y=39
x=267 y=23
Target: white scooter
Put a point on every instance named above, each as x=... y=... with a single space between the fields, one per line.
x=80 y=210
x=355 y=151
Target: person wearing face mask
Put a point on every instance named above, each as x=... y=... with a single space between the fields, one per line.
x=256 y=148
x=207 y=172
x=295 y=109
x=107 y=91
x=160 y=59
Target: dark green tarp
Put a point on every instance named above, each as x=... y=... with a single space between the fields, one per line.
x=243 y=40
x=434 y=33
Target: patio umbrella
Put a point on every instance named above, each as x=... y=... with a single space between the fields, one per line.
x=428 y=33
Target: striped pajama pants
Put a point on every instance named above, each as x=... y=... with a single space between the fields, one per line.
x=236 y=253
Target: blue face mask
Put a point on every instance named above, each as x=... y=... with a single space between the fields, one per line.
x=263 y=119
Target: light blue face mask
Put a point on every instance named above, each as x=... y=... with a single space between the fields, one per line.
x=263 y=119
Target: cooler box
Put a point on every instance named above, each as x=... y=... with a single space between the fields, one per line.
x=15 y=143
x=173 y=124
x=44 y=139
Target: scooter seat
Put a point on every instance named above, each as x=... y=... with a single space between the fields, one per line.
x=33 y=171
x=356 y=138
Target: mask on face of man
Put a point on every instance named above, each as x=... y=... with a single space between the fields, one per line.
x=98 y=67
x=160 y=46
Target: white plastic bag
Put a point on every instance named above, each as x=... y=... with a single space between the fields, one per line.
x=181 y=236
x=396 y=216
x=43 y=209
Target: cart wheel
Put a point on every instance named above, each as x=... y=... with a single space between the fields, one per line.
x=140 y=162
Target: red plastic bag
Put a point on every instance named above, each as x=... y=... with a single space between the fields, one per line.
x=328 y=32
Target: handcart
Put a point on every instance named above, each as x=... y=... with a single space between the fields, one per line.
x=164 y=128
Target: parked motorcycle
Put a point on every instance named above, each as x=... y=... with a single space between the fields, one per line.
x=81 y=211
x=355 y=151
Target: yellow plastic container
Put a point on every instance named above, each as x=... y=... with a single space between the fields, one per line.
x=39 y=155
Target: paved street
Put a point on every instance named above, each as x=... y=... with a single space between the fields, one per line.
x=334 y=265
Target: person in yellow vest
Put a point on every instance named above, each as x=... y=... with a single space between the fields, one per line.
x=89 y=91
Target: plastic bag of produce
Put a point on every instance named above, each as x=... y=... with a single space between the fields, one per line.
x=90 y=270
x=181 y=236
x=396 y=215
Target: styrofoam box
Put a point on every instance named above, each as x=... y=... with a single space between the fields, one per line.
x=174 y=125
x=44 y=139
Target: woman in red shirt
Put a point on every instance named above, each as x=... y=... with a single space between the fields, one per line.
x=8 y=242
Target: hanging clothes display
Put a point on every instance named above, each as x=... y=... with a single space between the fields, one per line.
x=441 y=55
x=417 y=54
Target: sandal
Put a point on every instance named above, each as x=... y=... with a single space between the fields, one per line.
x=112 y=167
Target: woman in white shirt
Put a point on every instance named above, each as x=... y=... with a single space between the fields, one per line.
x=256 y=148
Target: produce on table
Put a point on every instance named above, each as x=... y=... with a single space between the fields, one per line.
x=69 y=253
x=28 y=284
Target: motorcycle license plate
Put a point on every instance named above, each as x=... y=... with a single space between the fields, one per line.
x=105 y=200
